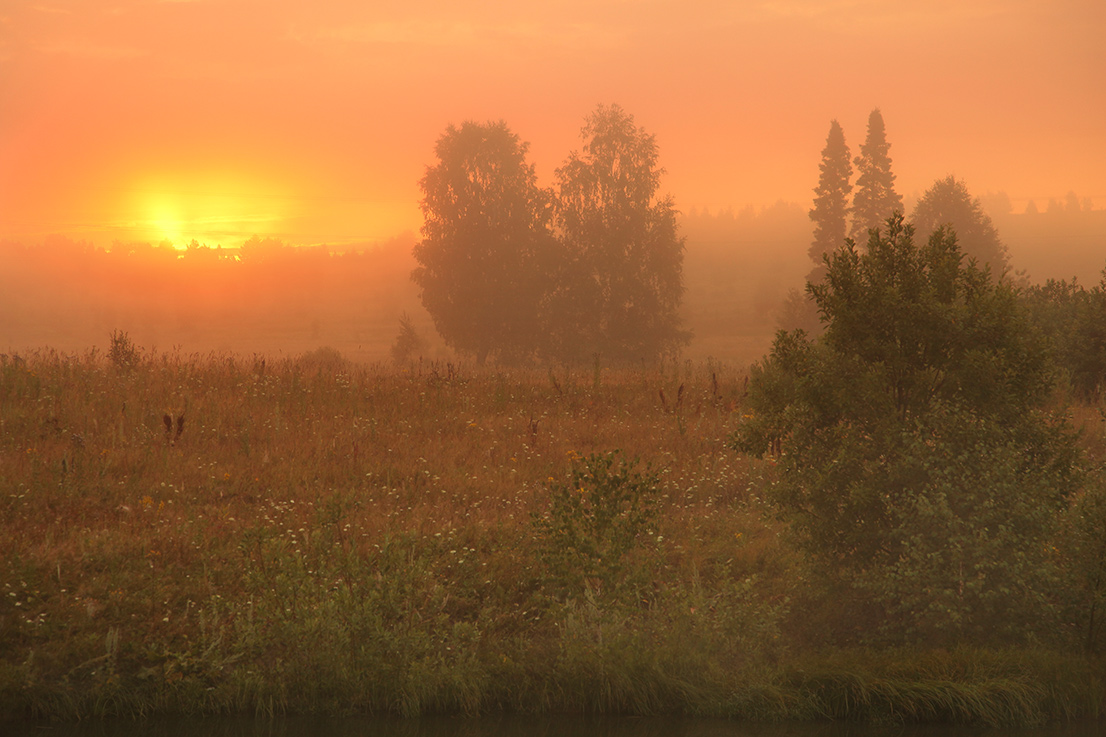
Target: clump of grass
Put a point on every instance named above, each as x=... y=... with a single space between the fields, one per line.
x=965 y=686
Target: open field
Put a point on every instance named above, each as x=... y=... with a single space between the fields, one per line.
x=319 y=535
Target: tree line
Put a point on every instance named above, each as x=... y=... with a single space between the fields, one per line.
x=927 y=468
x=264 y=295
x=1067 y=316
x=594 y=265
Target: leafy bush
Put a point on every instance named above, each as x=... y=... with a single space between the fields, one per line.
x=596 y=517
x=918 y=470
x=967 y=543
x=1082 y=548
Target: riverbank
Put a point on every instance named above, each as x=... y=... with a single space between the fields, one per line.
x=228 y=535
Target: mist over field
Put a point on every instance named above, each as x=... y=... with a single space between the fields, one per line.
x=267 y=297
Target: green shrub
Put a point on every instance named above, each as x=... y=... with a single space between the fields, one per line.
x=919 y=470
x=595 y=518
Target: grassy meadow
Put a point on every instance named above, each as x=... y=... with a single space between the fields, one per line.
x=321 y=536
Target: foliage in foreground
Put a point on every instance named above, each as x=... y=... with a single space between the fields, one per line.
x=920 y=469
x=324 y=536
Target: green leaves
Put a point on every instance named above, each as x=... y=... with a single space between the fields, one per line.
x=933 y=326
x=916 y=468
x=595 y=519
x=1074 y=320
x=966 y=552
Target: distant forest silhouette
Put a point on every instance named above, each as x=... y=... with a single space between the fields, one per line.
x=267 y=296
x=264 y=296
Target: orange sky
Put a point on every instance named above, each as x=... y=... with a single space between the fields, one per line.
x=313 y=121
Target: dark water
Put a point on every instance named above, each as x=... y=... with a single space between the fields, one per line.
x=515 y=726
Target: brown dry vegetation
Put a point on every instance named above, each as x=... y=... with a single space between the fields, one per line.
x=328 y=536
x=296 y=475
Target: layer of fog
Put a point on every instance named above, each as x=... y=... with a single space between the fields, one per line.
x=269 y=298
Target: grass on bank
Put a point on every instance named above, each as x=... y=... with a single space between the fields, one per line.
x=328 y=537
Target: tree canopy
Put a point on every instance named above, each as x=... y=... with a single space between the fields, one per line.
x=1073 y=319
x=487 y=250
x=620 y=282
x=509 y=270
x=949 y=203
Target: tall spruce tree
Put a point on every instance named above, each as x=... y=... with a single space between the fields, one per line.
x=831 y=201
x=876 y=198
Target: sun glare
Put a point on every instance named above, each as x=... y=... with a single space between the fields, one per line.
x=209 y=209
x=164 y=221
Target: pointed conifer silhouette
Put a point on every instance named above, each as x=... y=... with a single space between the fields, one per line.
x=876 y=198
x=831 y=200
